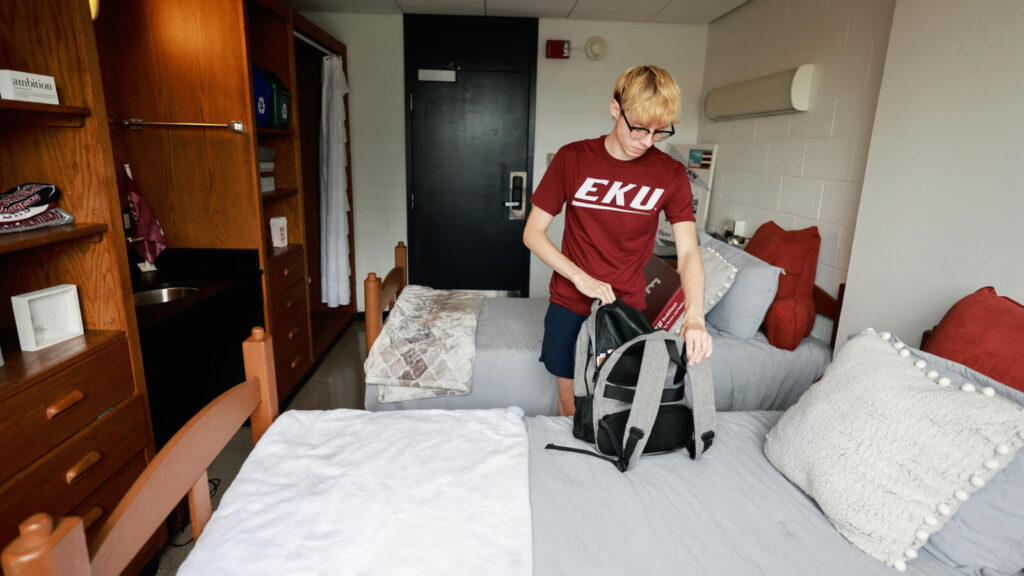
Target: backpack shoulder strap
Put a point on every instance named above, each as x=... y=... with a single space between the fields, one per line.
x=583 y=371
x=647 y=400
x=702 y=400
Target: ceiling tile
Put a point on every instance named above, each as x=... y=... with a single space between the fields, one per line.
x=695 y=11
x=358 y=6
x=530 y=8
x=450 y=7
x=617 y=10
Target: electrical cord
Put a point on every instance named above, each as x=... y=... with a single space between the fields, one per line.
x=214 y=485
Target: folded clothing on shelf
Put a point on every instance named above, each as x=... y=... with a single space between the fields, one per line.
x=51 y=217
x=26 y=196
x=30 y=206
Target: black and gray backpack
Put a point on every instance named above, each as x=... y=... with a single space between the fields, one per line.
x=630 y=388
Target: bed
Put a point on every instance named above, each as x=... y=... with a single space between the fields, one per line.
x=304 y=501
x=749 y=373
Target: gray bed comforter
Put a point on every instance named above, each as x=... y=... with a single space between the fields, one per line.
x=731 y=513
x=749 y=374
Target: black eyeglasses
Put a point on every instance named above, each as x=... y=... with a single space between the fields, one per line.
x=638 y=133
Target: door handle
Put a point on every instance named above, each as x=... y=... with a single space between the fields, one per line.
x=515 y=204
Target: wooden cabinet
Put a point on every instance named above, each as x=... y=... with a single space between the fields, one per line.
x=191 y=61
x=73 y=416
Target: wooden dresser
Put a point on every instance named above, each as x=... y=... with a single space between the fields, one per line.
x=74 y=422
x=287 y=303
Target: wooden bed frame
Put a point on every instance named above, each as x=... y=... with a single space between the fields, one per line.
x=380 y=296
x=46 y=549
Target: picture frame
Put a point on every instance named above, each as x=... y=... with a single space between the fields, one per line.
x=47 y=317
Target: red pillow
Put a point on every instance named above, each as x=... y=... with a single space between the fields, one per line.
x=791 y=315
x=983 y=331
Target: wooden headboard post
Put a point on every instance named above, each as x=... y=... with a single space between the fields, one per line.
x=401 y=262
x=374 y=314
x=378 y=295
x=830 y=307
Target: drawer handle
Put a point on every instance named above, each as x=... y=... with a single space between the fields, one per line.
x=91 y=516
x=286 y=272
x=292 y=333
x=296 y=362
x=288 y=304
x=83 y=466
x=63 y=403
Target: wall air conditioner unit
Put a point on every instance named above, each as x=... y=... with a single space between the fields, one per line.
x=779 y=93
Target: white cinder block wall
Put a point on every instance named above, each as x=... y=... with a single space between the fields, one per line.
x=573 y=96
x=803 y=169
x=938 y=222
x=376 y=66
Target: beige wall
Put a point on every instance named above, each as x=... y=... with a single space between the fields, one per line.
x=942 y=199
x=803 y=169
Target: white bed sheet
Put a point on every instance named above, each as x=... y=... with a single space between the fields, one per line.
x=354 y=492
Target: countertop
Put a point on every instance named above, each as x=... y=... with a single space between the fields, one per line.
x=213 y=272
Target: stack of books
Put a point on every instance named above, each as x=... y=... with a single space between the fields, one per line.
x=266 y=170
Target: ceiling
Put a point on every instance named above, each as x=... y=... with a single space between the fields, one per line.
x=665 y=11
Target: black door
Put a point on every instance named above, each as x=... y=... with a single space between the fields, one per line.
x=470 y=84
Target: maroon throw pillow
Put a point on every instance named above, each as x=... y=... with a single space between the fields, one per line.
x=985 y=332
x=791 y=315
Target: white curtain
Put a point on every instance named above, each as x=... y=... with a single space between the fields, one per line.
x=334 y=207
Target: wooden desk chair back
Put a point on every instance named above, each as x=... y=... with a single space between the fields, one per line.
x=45 y=549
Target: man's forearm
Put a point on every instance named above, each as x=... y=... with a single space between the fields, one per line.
x=691 y=275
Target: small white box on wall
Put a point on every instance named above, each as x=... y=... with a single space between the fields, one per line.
x=48 y=316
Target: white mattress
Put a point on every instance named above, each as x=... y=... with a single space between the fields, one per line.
x=353 y=492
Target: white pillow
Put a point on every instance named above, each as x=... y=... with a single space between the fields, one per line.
x=890 y=450
x=719 y=275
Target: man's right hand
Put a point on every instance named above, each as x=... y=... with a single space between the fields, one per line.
x=594 y=288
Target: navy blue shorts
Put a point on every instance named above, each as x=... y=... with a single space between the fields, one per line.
x=561 y=327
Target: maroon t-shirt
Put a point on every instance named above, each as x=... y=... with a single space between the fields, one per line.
x=611 y=215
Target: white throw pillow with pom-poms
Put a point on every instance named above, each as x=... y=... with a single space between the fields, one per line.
x=888 y=452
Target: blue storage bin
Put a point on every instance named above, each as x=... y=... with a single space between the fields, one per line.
x=261 y=98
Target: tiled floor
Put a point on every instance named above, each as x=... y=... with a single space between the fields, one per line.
x=336 y=383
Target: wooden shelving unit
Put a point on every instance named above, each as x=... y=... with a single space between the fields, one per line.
x=42 y=236
x=13 y=112
x=67 y=145
x=275 y=132
x=280 y=193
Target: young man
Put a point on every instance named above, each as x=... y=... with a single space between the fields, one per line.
x=613 y=189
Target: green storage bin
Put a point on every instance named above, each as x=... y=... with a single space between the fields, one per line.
x=280 y=99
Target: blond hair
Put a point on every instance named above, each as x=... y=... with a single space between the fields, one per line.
x=650 y=94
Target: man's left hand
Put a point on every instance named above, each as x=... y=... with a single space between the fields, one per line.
x=698 y=342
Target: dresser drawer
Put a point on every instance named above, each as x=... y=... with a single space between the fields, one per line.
x=64 y=477
x=96 y=507
x=288 y=313
x=284 y=271
x=43 y=416
x=292 y=359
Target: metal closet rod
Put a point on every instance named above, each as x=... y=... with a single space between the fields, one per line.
x=137 y=124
